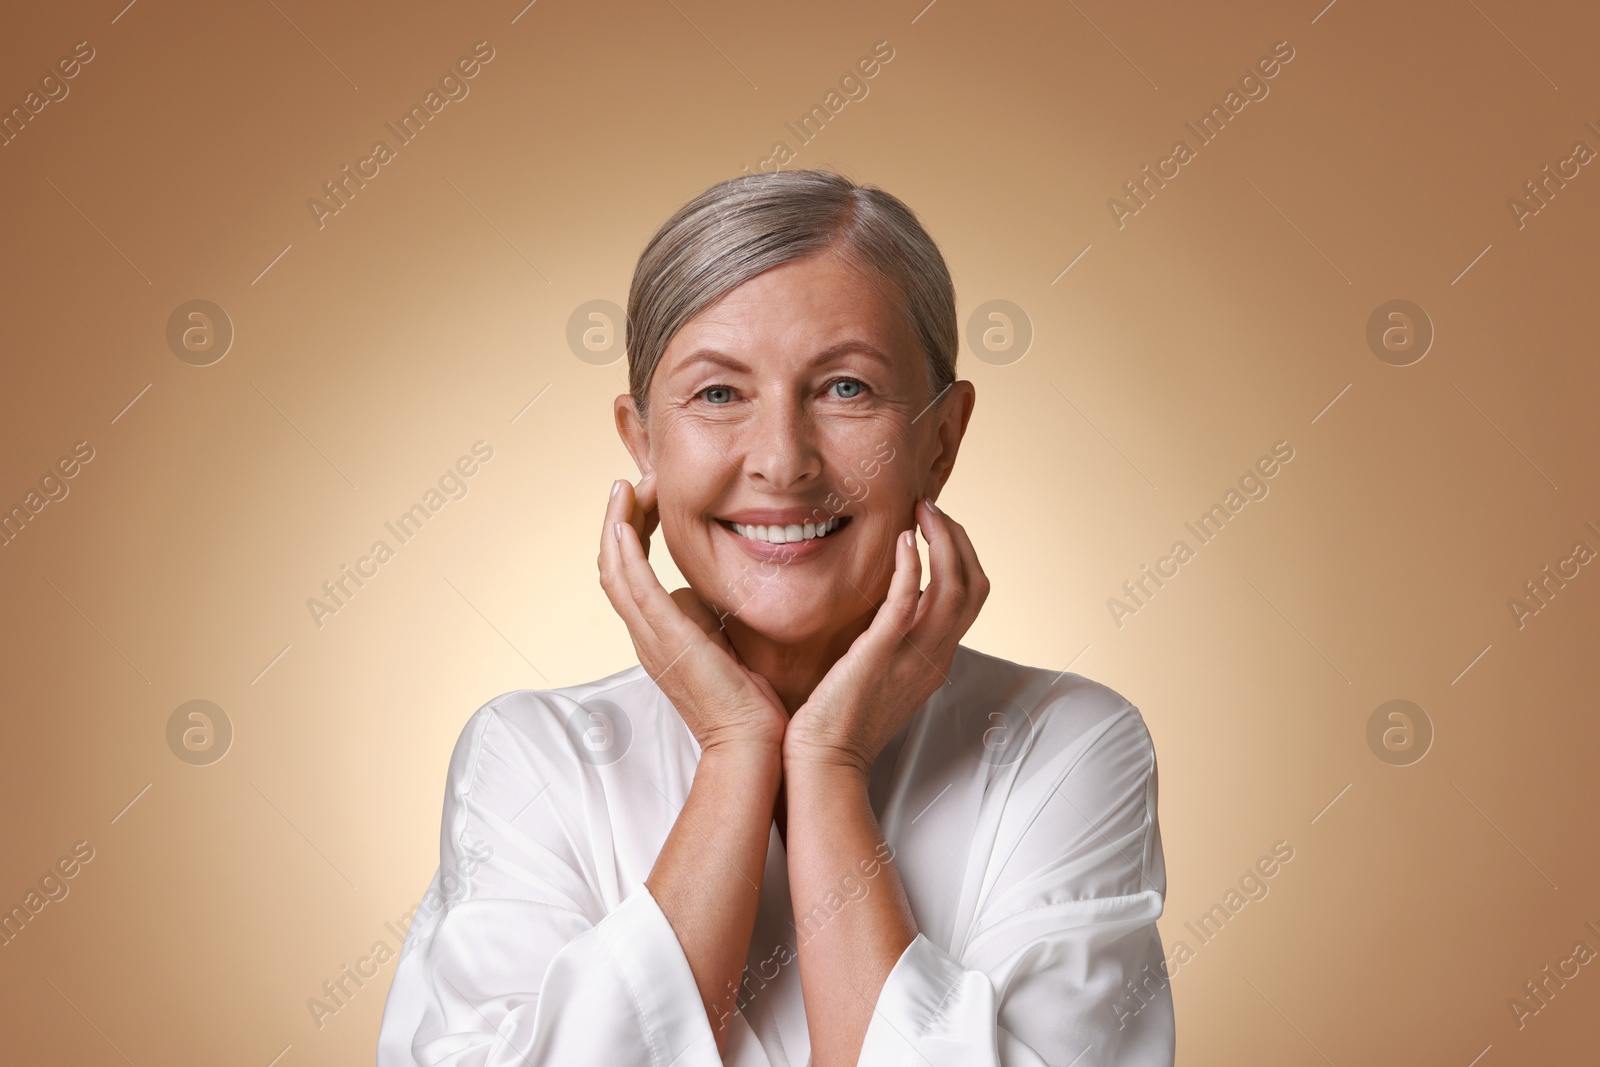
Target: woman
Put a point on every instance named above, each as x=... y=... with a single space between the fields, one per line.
x=809 y=826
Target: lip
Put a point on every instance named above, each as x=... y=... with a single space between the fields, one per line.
x=789 y=551
x=777 y=516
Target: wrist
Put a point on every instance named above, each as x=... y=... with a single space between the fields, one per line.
x=741 y=754
x=826 y=765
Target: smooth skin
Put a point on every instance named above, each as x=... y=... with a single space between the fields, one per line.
x=792 y=676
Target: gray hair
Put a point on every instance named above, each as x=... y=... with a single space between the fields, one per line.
x=742 y=226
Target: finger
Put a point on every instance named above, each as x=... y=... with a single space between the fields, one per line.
x=976 y=581
x=616 y=582
x=608 y=538
x=617 y=509
x=643 y=512
x=660 y=629
x=976 y=578
x=666 y=622
x=615 y=577
x=948 y=592
x=893 y=621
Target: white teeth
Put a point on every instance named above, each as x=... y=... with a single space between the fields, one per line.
x=780 y=535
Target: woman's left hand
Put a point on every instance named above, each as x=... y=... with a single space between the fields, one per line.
x=901 y=659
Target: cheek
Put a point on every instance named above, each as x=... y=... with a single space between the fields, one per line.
x=684 y=527
x=880 y=482
x=870 y=460
x=692 y=463
x=685 y=497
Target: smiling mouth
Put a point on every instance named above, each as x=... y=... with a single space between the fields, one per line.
x=782 y=535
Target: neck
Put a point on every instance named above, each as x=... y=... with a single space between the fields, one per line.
x=793 y=668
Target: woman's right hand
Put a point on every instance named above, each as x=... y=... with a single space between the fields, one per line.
x=680 y=642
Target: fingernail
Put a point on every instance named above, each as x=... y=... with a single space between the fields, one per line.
x=910 y=539
x=931 y=505
x=616 y=528
x=615 y=486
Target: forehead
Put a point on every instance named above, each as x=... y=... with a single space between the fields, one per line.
x=797 y=309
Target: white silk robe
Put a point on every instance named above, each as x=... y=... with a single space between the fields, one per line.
x=1020 y=804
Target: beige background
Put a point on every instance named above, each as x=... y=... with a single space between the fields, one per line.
x=1229 y=314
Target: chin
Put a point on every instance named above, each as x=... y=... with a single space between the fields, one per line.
x=783 y=620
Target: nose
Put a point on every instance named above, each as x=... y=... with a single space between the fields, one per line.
x=780 y=444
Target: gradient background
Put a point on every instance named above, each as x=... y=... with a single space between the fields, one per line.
x=1229 y=314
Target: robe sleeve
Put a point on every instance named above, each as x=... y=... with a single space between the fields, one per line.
x=512 y=958
x=1064 y=964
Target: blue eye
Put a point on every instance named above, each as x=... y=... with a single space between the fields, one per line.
x=710 y=391
x=850 y=384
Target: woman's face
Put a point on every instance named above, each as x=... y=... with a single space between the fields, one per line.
x=791 y=433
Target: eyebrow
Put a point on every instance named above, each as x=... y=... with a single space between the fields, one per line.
x=827 y=355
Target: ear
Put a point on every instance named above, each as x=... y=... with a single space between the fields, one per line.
x=954 y=411
x=634 y=433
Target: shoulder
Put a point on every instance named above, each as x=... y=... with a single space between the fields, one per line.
x=546 y=735
x=1049 y=725
x=1077 y=772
